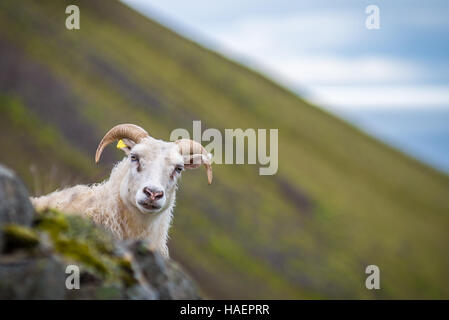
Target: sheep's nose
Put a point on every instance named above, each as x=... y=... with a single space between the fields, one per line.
x=153 y=194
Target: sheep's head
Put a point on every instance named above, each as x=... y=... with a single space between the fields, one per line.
x=154 y=166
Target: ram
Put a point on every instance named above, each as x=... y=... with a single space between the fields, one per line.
x=137 y=200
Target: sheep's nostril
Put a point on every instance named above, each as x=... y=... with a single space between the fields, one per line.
x=158 y=195
x=147 y=191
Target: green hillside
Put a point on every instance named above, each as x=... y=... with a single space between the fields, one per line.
x=339 y=202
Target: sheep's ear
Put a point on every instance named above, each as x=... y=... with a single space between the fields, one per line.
x=125 y=145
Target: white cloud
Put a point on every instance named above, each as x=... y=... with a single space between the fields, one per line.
x=380 y=97
x=325 y=70
x=291 y=31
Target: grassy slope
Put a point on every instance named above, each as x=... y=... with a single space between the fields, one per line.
x=339 y=202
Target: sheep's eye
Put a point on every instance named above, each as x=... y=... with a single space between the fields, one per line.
x=178 y=169
x=134 y=158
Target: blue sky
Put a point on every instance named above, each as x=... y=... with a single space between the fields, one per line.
x=322 y=49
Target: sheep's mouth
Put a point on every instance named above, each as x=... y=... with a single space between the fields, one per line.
x=149 y=206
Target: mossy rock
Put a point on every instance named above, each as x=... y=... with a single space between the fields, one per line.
x=19 y=237
x=36 y=248
x=109 y=268
x=15 y=207
x=82 y=242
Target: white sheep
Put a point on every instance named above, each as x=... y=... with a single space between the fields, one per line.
x=137 y=200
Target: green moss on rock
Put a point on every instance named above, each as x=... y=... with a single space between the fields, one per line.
x=82 y=242
x=52 y=222
x=19 y=237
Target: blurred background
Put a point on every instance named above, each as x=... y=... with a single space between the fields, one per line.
x=362 y=116
x=392 y=82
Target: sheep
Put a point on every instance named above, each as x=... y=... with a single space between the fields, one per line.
x=137 y=200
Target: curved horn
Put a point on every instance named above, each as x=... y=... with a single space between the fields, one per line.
x=191 y=147
x=121 y=131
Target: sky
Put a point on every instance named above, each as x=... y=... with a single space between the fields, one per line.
x=322 y=48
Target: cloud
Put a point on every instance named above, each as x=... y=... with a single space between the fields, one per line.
x=325 y=70
x=380 y=97
x=290 y=31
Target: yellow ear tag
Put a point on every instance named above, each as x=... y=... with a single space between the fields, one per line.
x=121 y=144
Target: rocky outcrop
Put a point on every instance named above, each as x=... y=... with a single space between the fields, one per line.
x=37 y=248
x=14 y=204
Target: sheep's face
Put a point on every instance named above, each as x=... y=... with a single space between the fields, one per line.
x=154 y=169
